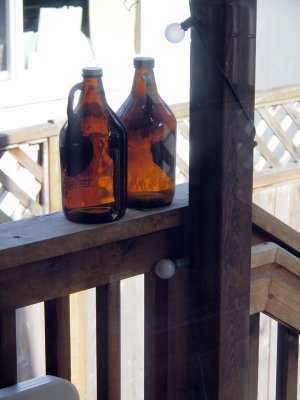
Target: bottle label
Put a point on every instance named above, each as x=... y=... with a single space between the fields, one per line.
x=88 y=184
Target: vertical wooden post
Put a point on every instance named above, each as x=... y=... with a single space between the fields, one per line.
x=254 y=356
x=54 y=174
x=8 y=349
x=108 y=333
x=156 y=337
x=287 y=364
x=221 y=162
x=57 y=337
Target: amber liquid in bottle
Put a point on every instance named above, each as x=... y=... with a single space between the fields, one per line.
x=93 y=156
x=151 y=134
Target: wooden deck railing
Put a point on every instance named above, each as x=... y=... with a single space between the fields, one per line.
x=46 y=258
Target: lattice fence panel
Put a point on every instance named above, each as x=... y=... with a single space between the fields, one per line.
x=21 y=182
x=277 y=135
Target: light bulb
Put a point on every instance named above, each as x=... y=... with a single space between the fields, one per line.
x=174 y=33
x=165 y=268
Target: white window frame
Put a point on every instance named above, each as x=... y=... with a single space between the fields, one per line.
x=14 y=36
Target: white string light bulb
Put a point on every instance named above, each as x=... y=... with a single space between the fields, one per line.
x=174 y=32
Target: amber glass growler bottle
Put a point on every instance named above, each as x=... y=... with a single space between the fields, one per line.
x=151 y=130
x=93 y=155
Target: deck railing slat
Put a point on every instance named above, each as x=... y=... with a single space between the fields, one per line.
x=156 y=338
x=57 y=337
x=254 y=356
x=287 y=364
x=8 y=349
x=108 y=333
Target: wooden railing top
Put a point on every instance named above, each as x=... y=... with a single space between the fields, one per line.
x=46 y=257
x=275 y=284
x=26 y=135
x=281 y=95
x=51 y=235
x=272 y=229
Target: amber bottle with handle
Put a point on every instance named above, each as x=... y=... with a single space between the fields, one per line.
x=93 y=155
x=151 y=133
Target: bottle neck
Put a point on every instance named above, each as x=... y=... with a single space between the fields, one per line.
x=144 y=84
x=93 y=91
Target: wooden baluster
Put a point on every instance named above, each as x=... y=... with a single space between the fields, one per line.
x=8 y=349
x=57 y=337
x=254 y=356
x=108 y=334
x=156 y=338
x=178 y=335
x=54 y=174
x=287 y=364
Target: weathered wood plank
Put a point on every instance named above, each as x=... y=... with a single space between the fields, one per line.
x=276 y=176
x=26 y=135
x=52 y=235
x=108 y=333
x=76 y=271
x=57 y=337
x=287 y=364
x=275 y=284
x=271 y=97
x=272 y=229
x=8 y=349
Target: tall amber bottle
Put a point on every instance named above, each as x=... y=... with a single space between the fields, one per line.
x=151 y=130
x=93 y=155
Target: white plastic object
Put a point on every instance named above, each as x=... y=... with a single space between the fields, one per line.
x=174 y=33
x=42 y=388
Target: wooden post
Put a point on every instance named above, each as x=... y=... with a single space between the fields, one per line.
x=221 y=162
x=8 y=349
x=254 y=356
x=108 y=333
x=54 y=174
x=156 y=337
x=287 y=364
x=57 y=337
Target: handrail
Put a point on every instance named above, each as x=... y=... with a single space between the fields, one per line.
x=268 y=228
x=275 y=284
x=281 y=95
x=51 y=243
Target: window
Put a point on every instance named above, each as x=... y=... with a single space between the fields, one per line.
x=48 y=42
x=3 y=36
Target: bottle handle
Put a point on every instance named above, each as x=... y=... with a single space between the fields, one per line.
x=70 y=106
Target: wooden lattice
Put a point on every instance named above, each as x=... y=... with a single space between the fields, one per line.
x=277 y=129
x=277 y=122
x=21 y=180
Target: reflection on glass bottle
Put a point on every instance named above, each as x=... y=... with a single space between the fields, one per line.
x=151 y=130
x=93 y=155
